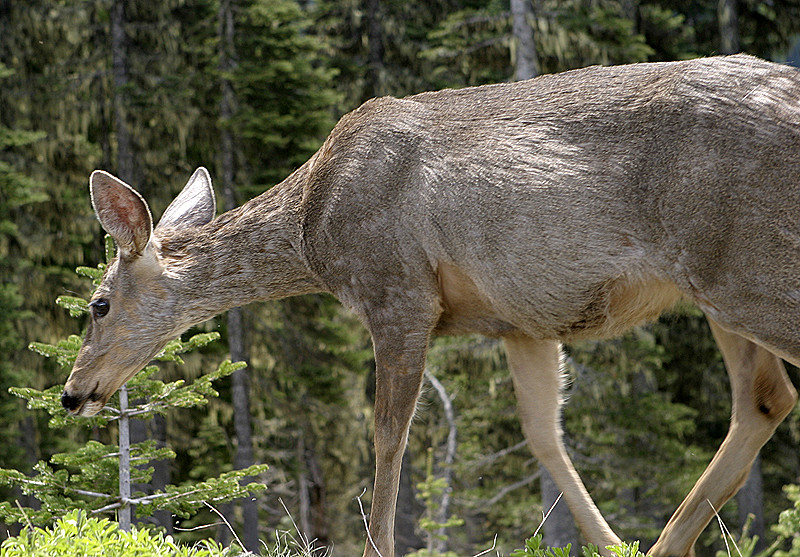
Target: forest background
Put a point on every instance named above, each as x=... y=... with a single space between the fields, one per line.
x=249 y=88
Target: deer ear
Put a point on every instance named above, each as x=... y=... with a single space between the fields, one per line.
x=194 y=206
x=122 y=212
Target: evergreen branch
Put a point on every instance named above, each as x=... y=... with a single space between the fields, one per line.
x=107 y=508
x=87 y=493
x=23 y=480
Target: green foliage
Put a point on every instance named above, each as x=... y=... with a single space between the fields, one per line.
x=77 y=535
x=787 y=530
x=533 y=548
x=603 y=32
x=622 y=550
x=618 y=410
x=472 y=46
x=88 y=477
x=475 y=45
x=19 y=192
x=65 y=350
x=296 y=62
x=788 y=527
x=284 y=97
x=667 y=33
x=160 y=396
x=430 y=491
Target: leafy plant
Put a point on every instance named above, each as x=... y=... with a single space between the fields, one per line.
x=77 y=535
x=533 y=548
x=787 y=543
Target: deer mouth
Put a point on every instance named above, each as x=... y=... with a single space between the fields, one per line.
x=85 y=407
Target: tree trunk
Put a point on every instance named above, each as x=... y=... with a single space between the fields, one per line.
x=728 y=20
x=244 y=436
x=124 y=514
x=319 y=499
x=161 y=472
x=522 y=17
x=226 y=107
x=103 y=98
x=312 y=494
x=119 y=64
x=303 y=497
x=559 y=529
x=223 y=535
x=751 y=502
x=240 y=391
x=449 y=459
x=137 y=433
x=28 y=439
x=408 y=511
x=375 y=70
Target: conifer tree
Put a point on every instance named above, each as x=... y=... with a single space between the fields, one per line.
x=17 y=192
x=97 y=477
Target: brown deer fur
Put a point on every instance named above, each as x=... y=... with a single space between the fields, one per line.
x=569 y=206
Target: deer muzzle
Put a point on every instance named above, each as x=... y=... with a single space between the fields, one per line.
x=70 y=403
x=82 y=402
x=83 y=406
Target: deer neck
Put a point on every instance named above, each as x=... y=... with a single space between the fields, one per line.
x=251 y=253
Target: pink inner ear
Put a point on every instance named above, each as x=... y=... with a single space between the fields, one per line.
x=128 y=210
x=122 y=212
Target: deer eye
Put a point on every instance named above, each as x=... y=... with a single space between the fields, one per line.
x=100 y=307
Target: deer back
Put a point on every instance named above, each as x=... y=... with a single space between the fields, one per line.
x=567 y=201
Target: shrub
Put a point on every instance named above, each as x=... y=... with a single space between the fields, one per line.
x=77 y=535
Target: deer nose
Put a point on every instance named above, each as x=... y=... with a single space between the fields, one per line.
x=69 y=402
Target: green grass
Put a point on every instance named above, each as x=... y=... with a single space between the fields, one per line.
x=77 y=535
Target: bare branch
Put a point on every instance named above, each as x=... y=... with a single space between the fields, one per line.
x=498 y=455
x=450 y=454
x=509 y=488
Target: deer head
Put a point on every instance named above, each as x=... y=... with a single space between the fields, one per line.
x=134 y=312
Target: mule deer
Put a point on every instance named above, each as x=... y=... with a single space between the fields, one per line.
x=565 y=207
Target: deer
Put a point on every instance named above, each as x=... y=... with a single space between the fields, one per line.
x=571 y=206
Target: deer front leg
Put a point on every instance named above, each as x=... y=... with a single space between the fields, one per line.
x=400 y=362
x=762 y=397
x=537 y=383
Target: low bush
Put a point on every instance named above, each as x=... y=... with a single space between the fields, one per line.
x=77 y=535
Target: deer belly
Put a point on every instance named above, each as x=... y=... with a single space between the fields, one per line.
x=464 y=309
x=605 y=310
x=617 y=305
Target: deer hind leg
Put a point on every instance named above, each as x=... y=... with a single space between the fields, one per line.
x=537 y=383
x=762 y=397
